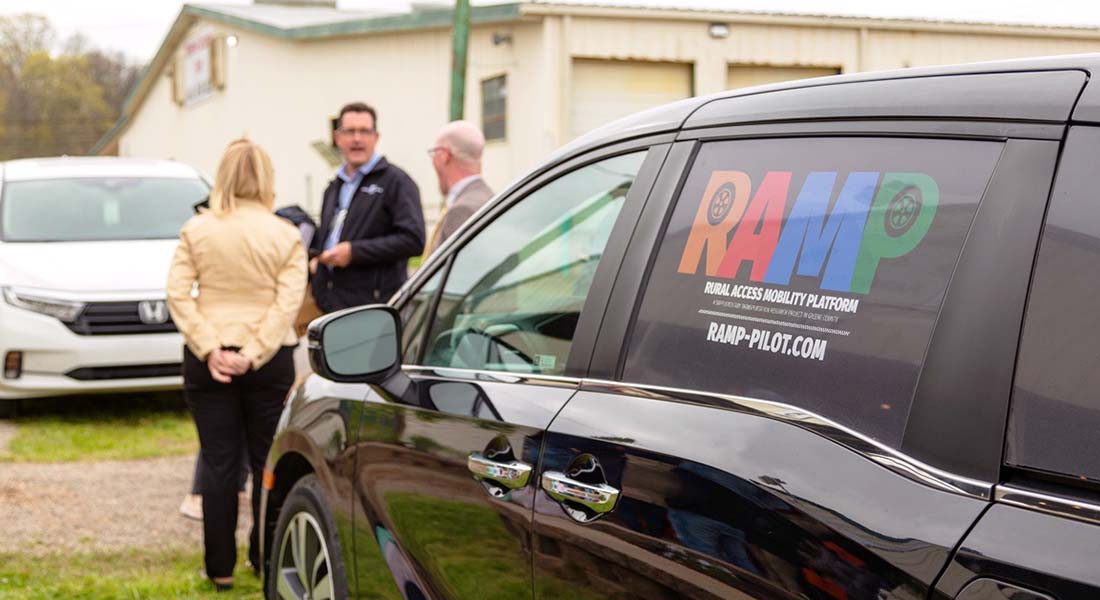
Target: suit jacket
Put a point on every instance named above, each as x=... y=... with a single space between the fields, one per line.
x=473 y=197
x=385 y=226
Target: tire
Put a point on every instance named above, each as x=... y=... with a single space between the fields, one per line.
x=316 y=570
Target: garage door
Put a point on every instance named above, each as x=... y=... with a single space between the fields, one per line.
x=604 y=90
x=739 y=76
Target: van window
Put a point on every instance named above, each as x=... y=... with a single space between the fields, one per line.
x=810 y=272
x=1054 y=419
x=514 y=295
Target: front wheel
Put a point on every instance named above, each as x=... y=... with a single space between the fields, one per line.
x=307 y=563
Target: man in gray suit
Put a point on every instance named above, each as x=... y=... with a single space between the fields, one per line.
x=456 y=157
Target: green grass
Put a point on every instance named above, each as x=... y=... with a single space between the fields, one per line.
x=122 y=575
x=131 y=434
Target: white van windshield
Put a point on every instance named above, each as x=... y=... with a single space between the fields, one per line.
x=97 y=208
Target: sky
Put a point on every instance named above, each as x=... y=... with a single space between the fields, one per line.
x=136 y=27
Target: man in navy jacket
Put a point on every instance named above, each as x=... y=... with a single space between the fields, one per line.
x=371 y=221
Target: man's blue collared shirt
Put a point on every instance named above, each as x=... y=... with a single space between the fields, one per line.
x=347 y=191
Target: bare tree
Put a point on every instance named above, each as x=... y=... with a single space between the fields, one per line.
x=23 y=35
x=56 y=102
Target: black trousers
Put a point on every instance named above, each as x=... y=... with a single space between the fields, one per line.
x=242 y=472
x=227 y=416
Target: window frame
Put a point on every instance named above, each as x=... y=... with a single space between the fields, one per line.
x=1079 y=145
x=503 y=117
x=923 y=440
x=656 y=148
x=433 y=304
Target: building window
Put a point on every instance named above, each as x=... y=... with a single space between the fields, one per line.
x=494 y=95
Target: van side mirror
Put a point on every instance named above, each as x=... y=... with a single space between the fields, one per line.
x=356 y=345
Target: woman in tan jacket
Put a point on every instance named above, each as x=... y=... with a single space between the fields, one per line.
x=250 y=269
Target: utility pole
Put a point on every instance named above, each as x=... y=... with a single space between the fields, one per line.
x=461 y=42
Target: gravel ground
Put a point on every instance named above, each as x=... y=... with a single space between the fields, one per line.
x=98 y=506
x=103 y=506
x=7 y=431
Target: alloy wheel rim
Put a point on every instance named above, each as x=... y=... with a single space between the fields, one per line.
x=304 y=571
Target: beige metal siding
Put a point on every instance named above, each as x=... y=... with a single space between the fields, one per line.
x=687 y=41
x=894 y=49
x=605 y=90
x=739 y=76
x=812 y=42
x=528 y=100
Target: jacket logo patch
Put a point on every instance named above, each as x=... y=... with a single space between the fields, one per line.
x=373 y=189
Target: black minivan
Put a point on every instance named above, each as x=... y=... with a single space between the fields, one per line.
x=830 y=339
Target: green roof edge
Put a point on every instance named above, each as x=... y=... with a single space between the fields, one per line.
x=247 y=24
x=421 y=19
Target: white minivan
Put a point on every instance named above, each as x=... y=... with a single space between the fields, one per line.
x=85 y=245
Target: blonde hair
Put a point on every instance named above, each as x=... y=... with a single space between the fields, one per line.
x=244 y=173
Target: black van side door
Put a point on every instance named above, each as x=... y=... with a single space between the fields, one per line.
x=443 y=471
x=744 y=432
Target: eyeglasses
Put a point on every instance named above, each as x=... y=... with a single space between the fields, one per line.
x=434 y=149
x=361 y=132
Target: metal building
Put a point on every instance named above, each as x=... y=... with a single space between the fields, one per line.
x=540 y=73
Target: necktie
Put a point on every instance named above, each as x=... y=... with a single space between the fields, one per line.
x=435 y=240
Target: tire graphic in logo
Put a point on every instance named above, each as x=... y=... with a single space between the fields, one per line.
x=720 y=204
x=902 y=212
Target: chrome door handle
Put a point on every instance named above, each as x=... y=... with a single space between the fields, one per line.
x=512 y=475
x=599 y=498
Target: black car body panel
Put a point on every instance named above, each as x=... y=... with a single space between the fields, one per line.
x=320 y=419
x=421 y=519
x=920 y=469
x=1088 y=107
x=1044 y=554
x=752 y=507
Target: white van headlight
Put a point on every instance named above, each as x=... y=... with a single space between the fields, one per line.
x=65 y=310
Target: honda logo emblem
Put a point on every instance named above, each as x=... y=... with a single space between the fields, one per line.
x=153 y=312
